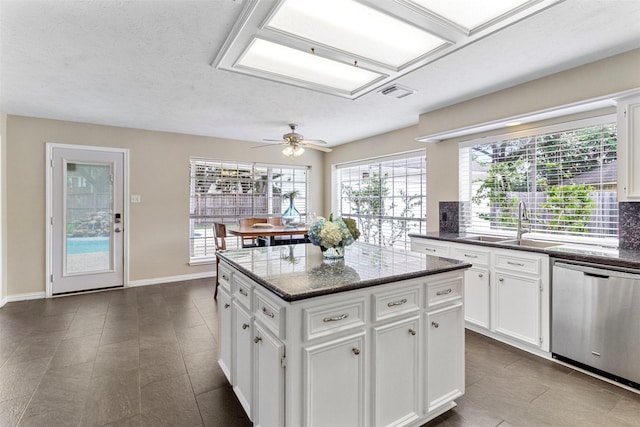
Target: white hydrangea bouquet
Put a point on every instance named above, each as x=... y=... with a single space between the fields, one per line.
x=332 y=235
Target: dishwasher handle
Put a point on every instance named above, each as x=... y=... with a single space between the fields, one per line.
x=598 y=276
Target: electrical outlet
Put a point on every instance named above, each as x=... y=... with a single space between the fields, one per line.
x=135 y=198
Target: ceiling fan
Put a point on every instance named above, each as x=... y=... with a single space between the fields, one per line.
x=295 y=143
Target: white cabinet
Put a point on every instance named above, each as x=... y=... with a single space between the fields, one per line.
x=224 y=332
x=268 y=408
x=445 y=355
x=356 y=358
x=430 y=247
x=334 y=382
x=396 y=373
x=242 y=356
x=629 y=149
x=517 y=307
x=477 y=297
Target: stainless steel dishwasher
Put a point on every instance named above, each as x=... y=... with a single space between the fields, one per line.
x=596 y=319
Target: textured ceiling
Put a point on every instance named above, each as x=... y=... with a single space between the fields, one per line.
x=146 y=64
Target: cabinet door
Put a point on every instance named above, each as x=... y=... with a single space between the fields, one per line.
x=629 y=149
x=517 y=307
x=268 y=402
x=445 y=356
x=334 y=383
x=242 y=355
x=224 y=332
x=396 y=374
x=477 y=297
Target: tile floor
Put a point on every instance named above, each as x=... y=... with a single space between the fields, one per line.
x=146 y=357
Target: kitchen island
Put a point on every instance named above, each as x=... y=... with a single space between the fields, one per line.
x=374 y=339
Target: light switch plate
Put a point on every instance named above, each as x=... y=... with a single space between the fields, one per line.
x=135 y=198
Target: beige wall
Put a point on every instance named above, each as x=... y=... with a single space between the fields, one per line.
x=159 y=173
x=3 y=208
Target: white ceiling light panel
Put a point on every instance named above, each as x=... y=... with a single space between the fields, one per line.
x=288 y=62
x=356 y=29
x=469 y=14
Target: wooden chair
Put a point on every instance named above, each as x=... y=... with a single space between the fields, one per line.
x=219 y=235
x=250 y=242
x=275 y=220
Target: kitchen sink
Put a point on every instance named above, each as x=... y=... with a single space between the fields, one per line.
x=529 y=243
x=490 y=239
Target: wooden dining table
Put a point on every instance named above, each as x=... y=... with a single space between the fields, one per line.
x=271 y=232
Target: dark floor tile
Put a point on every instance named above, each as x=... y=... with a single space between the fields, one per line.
x=169 y=402
x=21 y=377
x=117 y=357
x=160 y=363
x=195 y=339
x=85 y=324
x=11 y=410
x=75 y=351
x=111 y=398
x=220 y=408
x=204 y=372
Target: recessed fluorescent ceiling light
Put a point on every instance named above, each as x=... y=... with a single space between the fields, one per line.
x=354 y=28
x=469 y=13
x=277 y=59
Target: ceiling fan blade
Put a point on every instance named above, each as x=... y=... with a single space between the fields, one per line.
x=273 y=140
x=315 y=147
x=263 y=145
x=315 y=141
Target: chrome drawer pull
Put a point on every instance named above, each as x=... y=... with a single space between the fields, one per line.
x=245 y=325
x=226 y=306
x=519 y=264
x=243 y=292
x=267 y=312
x=429 y=250
x=257 y=340
x=448 y=291
x=355 y=350
x=335 y=318
x=224 y=276
x=393 y=303
x=435 y=324
x=471 y=256
x=412 y=331
x=481 y=275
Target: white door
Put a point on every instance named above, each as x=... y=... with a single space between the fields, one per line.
x=87 y=219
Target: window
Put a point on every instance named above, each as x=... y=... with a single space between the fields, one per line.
x=225 y=191
x=387 y=197
x=566 y=175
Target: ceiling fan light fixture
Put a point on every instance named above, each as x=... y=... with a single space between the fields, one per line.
x=292 y=151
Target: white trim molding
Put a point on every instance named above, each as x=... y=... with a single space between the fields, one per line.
x=169 y=279
x=22 y=297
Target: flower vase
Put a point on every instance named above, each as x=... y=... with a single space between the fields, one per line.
x=336 y=252
x=291 y=217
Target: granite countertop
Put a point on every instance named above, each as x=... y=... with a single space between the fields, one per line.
x=582 y=253
x=296 y=272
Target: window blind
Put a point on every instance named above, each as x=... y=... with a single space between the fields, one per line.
x=566 y=175
x=386 y=196
x=225 y=191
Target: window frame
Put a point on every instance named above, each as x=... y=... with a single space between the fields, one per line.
x=465 y=180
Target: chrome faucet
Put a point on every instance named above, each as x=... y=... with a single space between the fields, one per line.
x=523 y=214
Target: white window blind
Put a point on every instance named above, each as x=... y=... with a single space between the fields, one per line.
x=386 y=196
x=225 y=191
x=566 y=175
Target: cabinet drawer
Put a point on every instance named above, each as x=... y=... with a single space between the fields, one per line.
x=224 y=276
x=430 y=248
x=444 y=291
x=396 y=302
x=517 y=263
x=332 y=318
x=242 y=290
x=269 y=313
x=470 y=255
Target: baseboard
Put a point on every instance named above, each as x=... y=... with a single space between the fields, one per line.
x=22 y=297
x=169 y=279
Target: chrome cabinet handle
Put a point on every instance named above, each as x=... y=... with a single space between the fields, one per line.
x=501 y=280
x=224 y=276
x=335 y=318
x=355 y=350
x=429 y=250
x=245 y=325
x=471 y=256
x=243 y=292
x=394 y=303
x=519 y=264
x=448 y=291
x=267 y=312
x=435 y=324
x=257 y=340
x=481 y=275
x=412 y=331
x=226 y=306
